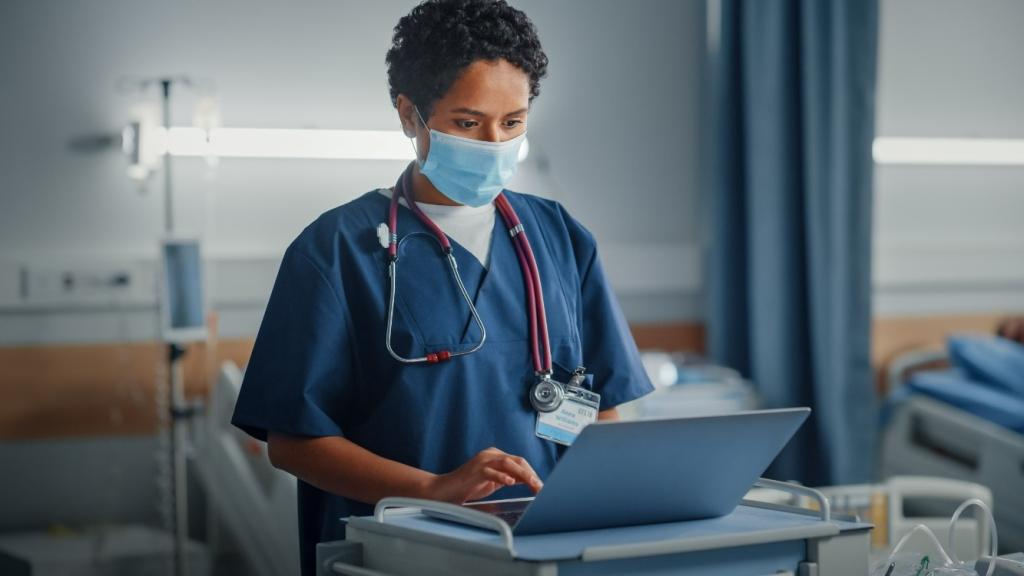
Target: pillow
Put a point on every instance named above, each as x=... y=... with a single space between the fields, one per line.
x=990 y=360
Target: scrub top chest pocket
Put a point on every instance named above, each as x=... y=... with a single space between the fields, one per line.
x=430 y=313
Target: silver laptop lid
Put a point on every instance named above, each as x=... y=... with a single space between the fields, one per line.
x=649 y=471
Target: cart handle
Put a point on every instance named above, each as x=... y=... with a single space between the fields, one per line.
x=458 y=513
x=825 y=509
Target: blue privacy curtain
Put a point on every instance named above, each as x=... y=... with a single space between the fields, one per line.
x=790 y=225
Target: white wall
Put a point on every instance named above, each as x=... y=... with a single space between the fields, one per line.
x=615 y=130
x=950 y=239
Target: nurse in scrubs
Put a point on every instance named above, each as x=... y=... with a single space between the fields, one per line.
x=439 y=406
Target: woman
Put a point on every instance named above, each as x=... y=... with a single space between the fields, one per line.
x=360 y=403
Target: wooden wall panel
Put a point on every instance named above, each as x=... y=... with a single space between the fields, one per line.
x=669 y=337
x=110 y=389
x=893 y=335
x=96 y=390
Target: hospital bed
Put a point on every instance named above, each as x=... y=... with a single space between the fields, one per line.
x=256 y=501
x=756 y=538
x=689 y=385
x=939 y=425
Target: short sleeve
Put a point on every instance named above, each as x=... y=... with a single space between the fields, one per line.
x=300 y=372
x=619 y=375
x=608 y=345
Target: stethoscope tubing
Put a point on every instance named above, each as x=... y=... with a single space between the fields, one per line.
x=531 y=279
x=540 y=346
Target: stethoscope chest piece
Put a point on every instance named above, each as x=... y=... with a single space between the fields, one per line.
x=546 y=395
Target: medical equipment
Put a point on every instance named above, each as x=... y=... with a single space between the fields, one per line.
x=945 y=561
x=1006 y=565
x=182 y=302
x=755 y=538
x=182 y=313
x=547 y=394
x=928 y=433
x=926 y=436
x=256 y=501
x=893 y=507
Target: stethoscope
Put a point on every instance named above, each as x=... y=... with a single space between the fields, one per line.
x=546 y=395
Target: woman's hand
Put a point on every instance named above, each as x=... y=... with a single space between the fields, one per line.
x=483 y=475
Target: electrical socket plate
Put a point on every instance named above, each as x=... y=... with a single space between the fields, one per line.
x=88 y=284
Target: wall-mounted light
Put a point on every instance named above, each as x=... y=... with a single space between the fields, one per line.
x=949 y=151
x=284 y=143
x=186 y=141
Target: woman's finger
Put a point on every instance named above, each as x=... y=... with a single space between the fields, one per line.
x=524 y=463
x=495 y=475
x=482 y=490
x=523 y=474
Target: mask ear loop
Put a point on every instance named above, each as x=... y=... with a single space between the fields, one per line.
x=412 y=140
x=420 y=116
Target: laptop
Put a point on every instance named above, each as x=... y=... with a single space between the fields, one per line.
x=625 y=473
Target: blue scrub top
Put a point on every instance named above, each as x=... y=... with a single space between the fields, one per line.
x=319 y=366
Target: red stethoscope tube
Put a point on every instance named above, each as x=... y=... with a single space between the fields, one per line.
x=531 y=280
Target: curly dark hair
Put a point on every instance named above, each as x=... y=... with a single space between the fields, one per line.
x=438 y=39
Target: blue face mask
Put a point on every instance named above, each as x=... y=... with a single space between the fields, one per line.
x=470 y=172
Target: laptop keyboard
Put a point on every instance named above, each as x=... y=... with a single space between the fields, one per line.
x=508 y=511
x=510 y=516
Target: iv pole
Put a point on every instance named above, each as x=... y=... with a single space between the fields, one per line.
x=178 y=408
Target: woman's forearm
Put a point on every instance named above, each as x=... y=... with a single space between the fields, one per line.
x=342 y=467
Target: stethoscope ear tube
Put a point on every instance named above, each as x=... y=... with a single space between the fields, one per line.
x=440 y=355
x=531 y=279
x=402 y=188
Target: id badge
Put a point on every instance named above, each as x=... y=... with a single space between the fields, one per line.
x=564 y=424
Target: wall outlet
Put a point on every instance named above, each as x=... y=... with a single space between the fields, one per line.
x=88 y=284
